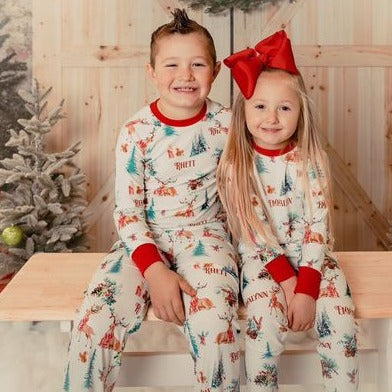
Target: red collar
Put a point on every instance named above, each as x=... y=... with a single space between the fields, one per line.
x=177 y=123
x=273 y=153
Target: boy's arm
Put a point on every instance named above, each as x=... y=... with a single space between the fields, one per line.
x=129 y=213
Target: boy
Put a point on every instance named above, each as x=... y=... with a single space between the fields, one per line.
x=173 y=249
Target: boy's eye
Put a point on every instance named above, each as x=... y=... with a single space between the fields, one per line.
x=170 y=65
x=198 y=65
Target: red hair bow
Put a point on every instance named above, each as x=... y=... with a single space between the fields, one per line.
x=272 y=52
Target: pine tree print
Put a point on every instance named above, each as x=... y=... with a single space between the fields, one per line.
x=245 y=281
x=66 y=380
x=260 y=166
x=267 y=377
x=117 y=266
x=287 y=185
x=199 y=145
x=151 y=211
x=324 y=325
x=88 y=378
x=192 y=339
x=218 y=375
x=131 y=164
x=268 y=353
x=206 y=202
x=200 y=250
x=328 y=366
x=349 y=343
x=135 y=328
x=169 y=131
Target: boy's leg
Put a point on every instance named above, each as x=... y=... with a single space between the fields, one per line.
x=114 y=305
x=208 y=262
x=266 y=325
x=337 y=329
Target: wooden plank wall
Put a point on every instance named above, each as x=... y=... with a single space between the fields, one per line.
x=93 y=53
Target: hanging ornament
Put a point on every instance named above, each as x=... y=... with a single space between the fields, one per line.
x=12 y=235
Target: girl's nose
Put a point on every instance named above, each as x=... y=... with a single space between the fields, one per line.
x=271 y=116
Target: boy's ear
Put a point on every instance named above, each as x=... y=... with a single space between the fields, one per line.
x=150 y=71
x=217 y=68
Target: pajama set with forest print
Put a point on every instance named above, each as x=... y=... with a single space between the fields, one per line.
x=166 y=209
x=301 y=231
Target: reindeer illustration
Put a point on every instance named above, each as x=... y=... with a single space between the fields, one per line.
x=165 y=190
x=207 y=233
x=83 y=327
x=274 y=303
x=131 y=125
x=231 y=297
x=197 y=182
x=270 y=189
x=184 y=234
x=311 y=236
x=329 y=291
x=144 y=143
x=124 y=220
x=198 y=304
x=254 y=326
x=177 y=153
x=109 y=341
x=188 y=212
x=226 y=337
x=137 y=191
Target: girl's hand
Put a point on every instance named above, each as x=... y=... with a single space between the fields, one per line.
x=288 y=287
x=165 y=292
x=301 y=313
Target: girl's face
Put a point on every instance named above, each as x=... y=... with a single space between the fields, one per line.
x=273 y=111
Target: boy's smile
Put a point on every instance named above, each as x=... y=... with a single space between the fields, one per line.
x=183 y=74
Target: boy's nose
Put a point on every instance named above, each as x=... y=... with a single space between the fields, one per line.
x=186 y=73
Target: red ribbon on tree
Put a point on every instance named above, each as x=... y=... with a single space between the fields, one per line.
x=272 y=52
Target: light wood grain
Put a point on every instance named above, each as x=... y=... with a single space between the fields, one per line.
x=50 y=286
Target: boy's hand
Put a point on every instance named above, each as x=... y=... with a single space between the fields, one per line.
x=301 y=313
x=165 y=292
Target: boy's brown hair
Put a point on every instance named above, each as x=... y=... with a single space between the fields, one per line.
x=181 y=24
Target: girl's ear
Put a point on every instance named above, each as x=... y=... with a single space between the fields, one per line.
x=217 y=68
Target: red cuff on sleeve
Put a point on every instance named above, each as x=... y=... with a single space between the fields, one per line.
x=145 y=255
x=308 y=282
x=280 y=269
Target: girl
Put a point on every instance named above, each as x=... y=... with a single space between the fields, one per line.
x=274 y=182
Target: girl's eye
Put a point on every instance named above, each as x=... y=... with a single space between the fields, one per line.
x=285 y=108
x=261 y=106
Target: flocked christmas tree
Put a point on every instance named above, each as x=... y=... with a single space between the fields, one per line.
x=42 y=208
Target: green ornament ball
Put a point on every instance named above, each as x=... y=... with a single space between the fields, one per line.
x=12 y=235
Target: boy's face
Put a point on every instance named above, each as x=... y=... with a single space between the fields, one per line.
x=183 y=74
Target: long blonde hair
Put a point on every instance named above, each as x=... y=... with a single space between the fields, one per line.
x=236 y=178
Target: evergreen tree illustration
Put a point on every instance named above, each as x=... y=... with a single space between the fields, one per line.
x=200 y=250
x=117 y=266
x=88 y=378
x=268 y=353
x=217 y=153
x=66 y=385
x=127 y=249
x=245 y=281
x=323 y=325
x=131 y=165
x=192 y=339
x=217 y=376
x=287 y=185
x=151 y=211
x=206 y=202
x=169 y=131
x=135 y=328
x=348 y=291
x=260 y=166
x=199 y=145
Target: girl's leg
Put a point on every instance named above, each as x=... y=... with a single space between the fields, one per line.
x=114 y=305
x=208 y=262
x=266 y=325
x=336 y=328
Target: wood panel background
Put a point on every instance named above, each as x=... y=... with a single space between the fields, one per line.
x=93 y=54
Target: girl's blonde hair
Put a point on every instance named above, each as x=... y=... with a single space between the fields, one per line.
x=236 y=178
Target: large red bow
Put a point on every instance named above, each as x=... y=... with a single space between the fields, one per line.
x=272 y=52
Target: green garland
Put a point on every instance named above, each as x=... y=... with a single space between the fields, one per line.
x=218 y=6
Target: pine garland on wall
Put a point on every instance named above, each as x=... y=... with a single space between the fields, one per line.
x=218 y=6
x=42 y=208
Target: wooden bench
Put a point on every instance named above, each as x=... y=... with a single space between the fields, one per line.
x=50 y=287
